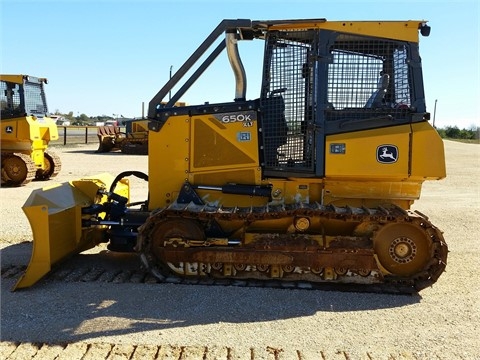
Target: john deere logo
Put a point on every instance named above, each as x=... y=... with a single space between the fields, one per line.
x=387 y=154
x=9 y=129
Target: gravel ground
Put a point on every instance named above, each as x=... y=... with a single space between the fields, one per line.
x=441 y=322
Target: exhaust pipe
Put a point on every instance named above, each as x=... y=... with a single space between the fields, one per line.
x=236 y=63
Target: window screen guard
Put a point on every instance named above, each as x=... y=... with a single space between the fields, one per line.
x=309 y=83
x=287 y=102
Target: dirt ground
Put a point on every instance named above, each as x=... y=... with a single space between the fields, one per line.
x=92 y=320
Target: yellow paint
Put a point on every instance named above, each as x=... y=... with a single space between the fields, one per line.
x=31 y=135
x=428 y=155
x=398 y=30
x=55 y=216
x=204 y=150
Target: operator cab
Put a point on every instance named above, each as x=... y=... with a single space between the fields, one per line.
x=316 y=81
x=321 y=82
x=22 y=96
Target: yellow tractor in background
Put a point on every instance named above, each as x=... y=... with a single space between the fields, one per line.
x=133 y=141
x=26 y=131
x=307 y=185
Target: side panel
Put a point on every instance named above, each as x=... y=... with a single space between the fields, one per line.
x=384 y=154
x=210 y=150
x=428 y=156
x=15 y=135
x=29 y=135
x=29 y=129
x=224 y=141
x=169 y=155
x=372 y=154
x=224 y=150
x=369 y=168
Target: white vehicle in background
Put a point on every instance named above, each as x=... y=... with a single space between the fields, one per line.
x=111 y=123
x=60 y=120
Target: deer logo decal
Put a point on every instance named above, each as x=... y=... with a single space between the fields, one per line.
x=387 y=154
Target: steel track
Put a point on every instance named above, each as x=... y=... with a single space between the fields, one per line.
x=383 y=215
x=150 y=273
x=56 y=162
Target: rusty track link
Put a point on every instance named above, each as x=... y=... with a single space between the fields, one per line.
x=381 y=215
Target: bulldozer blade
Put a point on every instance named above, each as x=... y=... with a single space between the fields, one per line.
x=110 y=138
x=55 y=216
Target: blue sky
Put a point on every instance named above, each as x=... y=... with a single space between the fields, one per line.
x=107 y=57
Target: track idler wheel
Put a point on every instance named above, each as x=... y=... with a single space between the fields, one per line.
x=17 y=169
x=403 y=249
x=171 y=233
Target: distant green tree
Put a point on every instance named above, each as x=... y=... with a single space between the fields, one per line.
x=81 y=120
x=466 y=134
x=84 y=118
x=453 y=132
x=441 y=132
x=69 y=116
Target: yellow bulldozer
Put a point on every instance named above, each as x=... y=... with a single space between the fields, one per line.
x=133 y=141
x=26 y=131
x=308 y=185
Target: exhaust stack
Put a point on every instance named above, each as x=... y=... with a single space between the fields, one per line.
x=236 y=63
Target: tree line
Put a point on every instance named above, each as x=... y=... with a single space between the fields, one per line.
x=83 y=119
x=453 y=132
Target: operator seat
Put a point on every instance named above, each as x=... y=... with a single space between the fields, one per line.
x=376 y=99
